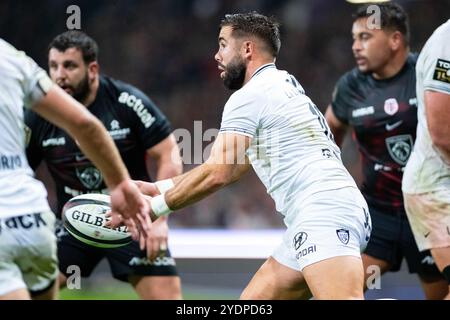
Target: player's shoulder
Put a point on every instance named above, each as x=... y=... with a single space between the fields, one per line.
x=352 y=78
x=412 y=59
x=248 y=94
x=36 y=123
x=121 y=89
x=33 y=118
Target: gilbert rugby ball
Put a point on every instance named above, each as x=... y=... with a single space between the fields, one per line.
x=84 y=218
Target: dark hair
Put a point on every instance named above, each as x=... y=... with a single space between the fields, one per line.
x=393 y=17
x=253 y=23
x=76 y=39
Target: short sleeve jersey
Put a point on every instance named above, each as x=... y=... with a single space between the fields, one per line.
x=383 y=115
x=134 y=122
x=292 y=150
x=22 y=82
x=427 y=171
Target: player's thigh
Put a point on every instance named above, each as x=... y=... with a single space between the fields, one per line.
x=129 y=263
x=157 y=287
x=35 y=247
x=434 y=288
x=273 y=281
x=373 y=268
x=429 y=217
x=338 y=278
x=17 y=294
x=50 y=293
x=75 y=258
x=383 y=252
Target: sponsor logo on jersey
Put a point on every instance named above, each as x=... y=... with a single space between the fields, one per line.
x=427 y=260
x=391 y=106
x=442 y=71
x=136 y=104
x=115 y=125
x=390 y=127
x=413 y=102
x=361 y=112
x=400 y=147
x=10 y=162
x=25 y=221
x=120 y=133
x=306 y=251
x=90 y=177
x=299 y=239
x=159 y=261
x=343 y=235
x=54 y=142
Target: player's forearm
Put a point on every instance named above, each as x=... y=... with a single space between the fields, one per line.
x=196 y=185
x=168 y=169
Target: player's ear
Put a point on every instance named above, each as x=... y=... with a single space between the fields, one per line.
x=93 y=69
x=396 y=40
x=247 y=48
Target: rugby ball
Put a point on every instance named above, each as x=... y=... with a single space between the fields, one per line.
x=84 y=218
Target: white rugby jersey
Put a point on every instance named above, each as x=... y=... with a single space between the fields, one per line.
x=292 y=149
x=426 y=170
x=21 y=80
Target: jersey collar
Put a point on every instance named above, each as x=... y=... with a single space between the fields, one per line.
x=262 y=68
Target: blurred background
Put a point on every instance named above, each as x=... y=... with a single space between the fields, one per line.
x=166 y=48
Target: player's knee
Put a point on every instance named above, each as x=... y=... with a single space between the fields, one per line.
x=62 y=280
x=446 y=273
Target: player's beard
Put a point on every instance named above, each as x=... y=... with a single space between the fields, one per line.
x=235 y=74
x=82 y=90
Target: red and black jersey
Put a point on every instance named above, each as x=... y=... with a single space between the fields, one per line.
x=383 y=114
x=134 y=122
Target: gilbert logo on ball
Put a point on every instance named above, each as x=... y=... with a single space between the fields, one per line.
x=84 y=218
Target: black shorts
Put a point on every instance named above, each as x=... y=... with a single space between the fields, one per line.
x=123 y=261
x=392 y=240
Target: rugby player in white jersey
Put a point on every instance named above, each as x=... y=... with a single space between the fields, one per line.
x=28 y=263
x=426 y=181
x=271 y=120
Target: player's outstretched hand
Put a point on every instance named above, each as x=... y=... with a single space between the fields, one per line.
x=147 y=188
x=127 y=202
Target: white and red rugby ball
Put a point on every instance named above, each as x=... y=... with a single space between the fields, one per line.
x=84 y=218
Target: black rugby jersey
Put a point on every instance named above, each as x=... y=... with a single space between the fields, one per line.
x=383 y=114
x=131 y=118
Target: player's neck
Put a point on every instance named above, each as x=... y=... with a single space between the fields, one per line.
x=393 y=67
x=253 y=66
x=92 y=93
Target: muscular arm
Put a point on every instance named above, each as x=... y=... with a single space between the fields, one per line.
x=166 y=155
x=226 y=164
x=338 y=128
x=437 y=108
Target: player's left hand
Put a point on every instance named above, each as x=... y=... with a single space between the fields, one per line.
x=156 y=240
x=127 y=202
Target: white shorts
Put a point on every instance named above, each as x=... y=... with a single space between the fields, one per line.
x=329 y=224
x=28 y=257
x=429 y=217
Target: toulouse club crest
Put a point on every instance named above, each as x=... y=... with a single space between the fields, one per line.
x=400 y=148
x=90 y=177
x=391 y=106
